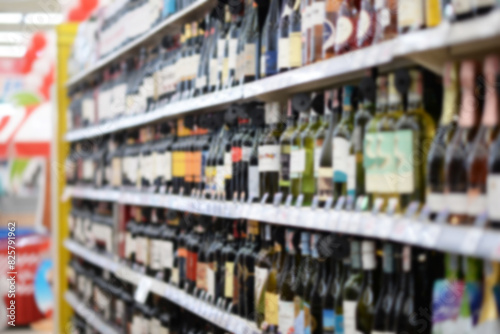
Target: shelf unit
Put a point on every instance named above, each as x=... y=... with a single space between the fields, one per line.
x=466 y=240
x=199 y=307
x=91 y=317
x=429 y=47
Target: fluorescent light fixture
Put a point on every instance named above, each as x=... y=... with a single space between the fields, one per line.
x=12 y=51
x=7 y=37
x=11 y=18
x=43 y=18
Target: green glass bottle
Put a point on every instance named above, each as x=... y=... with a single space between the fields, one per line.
x=339 y=295
x=262 y=268
x=297 y=155
x=285 y=150
x=352 y=288
x=286 y=305
x=305 y=269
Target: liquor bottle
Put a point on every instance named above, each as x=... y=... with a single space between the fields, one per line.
x=295 y=36
x=313 y=307
x=284 y=35
x=297 y=155
x=386 y=20
x=308 y=146
x=285 y=304
x=262 y=269
x=352 y=289
x=325 y=169
x=462 y=9
x=414 y=131
x=329 y=28
x=252 y=49
x=269 y=42
x=345 y=38
x=386 y=296
x=366 y=25
x=341 y=142
x=285 y=151
x=303 y=276
x=356 y=180
x=477 y=160
x=269 y=152
x=411 y=15
x=365 y=310
x=447 y=126
x=404 y=305
x=459 y=147
x=315 y=34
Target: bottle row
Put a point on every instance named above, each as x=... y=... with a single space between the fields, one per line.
x=376 y=140
x=113 y=299
x=293 y=280
x=245 y=40
x=109 y=29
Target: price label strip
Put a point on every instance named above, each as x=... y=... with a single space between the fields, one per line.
x=143 y=289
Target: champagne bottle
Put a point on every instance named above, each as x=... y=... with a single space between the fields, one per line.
x=459 y=147
x=269 y=152
x=365 y=310
x=341 y=142
x=352 y=289
x=477 y=160
x=436 y=159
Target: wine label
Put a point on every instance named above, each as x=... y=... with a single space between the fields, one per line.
x=220 y=173
x=306 y=18
x=271 y=63
x=246 y=152
x=307 y=318
x=344 y=31
x=155 y=326
x=476 y=203
x=436 y=202
x=236 y=154
x=317 y=157
x=297 y=161
x=155 y=251
x=295 y=49
x=228 y=280
x=192 y=263
x=339 y=324
x=283 y=53
x=228 y=165
x=201 y=275
x=263 y=56
x=404 y=156
x=406 y=258
x=340 y=157
x=253 y=182
x=299 y=321
x=167 y=254
x=368 y=255
x=174 y=278
x=260 y=279
x=163 y=330
x=364 y=23
x=493 y=191
x=317 y=13
x=462 y=6
x=349 y=316
x=410 y=13
x=433 y=13
x=351 y=175
x=325 y=183
x=457 y=203
x=129 y=245
x=250 y=59
x=213 y=74
x=232 y=53
x=285 y=317
x=445 y=310
x=269 y=158
x=329 y=321
x=210 y=277
x=271 y=308
x=88 y=169
x=329 y=32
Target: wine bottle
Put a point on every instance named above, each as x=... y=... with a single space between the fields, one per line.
x=459 y=147
x=284 y=34
x=295 y=36
x=250 y=262
x=232 y=46
x=493 y=181
x=352 y=289
x=336 y=268
x=462 y=9
x=387 y=23
x=365 y=310
x=286 y=305
x=269 y=152
x=262 y=269
x=313 y=299
x=303 y=276
x=339 y=296
x=345 y=39
x=285 y=151
x=252 y=45
x=404 y=306
x=253 y=185
x=329 y=28
x=269 y=42
x=229 y=255
x=319 y=138
x=297 y=155
x=477 y=160
x=414 y=132
x=365 y=30
x=315 y=33
x=489 y=318
x=271 y=298
x=411 y=15
x=435 y=198
x=341 y=142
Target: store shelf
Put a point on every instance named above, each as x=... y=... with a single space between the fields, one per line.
x=203 y=309
x=429 y=47
x=92 y=318
x=466 y=240
x=194 y=11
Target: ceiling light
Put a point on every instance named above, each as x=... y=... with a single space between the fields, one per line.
x=13 y=51
x=13 y=37
x=43 y=18
x=11 y=18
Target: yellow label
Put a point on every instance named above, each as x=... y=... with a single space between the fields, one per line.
x=228 y=281
x=295 y=41
x=271 y=308
x=433 y=12
x=225 y=71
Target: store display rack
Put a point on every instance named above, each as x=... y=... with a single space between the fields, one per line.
x=92 y=318
x=205 y=310
x=195 y=10
x=467 y=240
x=429 y=47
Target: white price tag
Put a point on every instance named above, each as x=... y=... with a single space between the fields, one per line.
x=413 y=232
x=471 y=241
x=322 y=220
x=344 y=219
x=384 y=227
x=143 y=288
x=369 y=222
x=429 y=234
x=309 y=218
x=354 y=222
x=399 y=229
